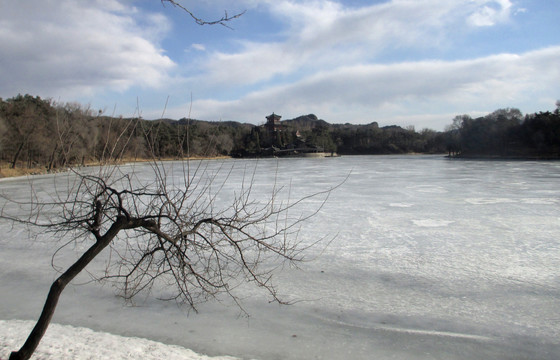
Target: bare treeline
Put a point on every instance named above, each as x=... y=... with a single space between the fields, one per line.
x=36 y=132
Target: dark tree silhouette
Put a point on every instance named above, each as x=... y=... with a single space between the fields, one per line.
x=169 y=230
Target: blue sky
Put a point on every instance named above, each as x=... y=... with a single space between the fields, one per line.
x=403 y=62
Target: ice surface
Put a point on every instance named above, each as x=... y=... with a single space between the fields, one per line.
x=434 y=258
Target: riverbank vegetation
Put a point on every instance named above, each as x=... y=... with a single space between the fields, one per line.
x=41 y=135
x=506 y=133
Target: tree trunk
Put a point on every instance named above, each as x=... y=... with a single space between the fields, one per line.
x=16 y=156
x=58 y=285
x=52 y=159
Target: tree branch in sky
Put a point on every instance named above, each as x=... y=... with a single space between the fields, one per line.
x=226 y=18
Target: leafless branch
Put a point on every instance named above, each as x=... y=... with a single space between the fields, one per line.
x=170 y=233
x=222 y=21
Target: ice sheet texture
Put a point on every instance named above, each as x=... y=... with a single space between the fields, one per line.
x=433 y=258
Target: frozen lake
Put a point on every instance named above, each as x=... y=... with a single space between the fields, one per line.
x=434 y=259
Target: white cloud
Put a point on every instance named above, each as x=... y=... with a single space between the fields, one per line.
x=420 y=93
x=490 y=12
x=71 y=48
x=328 y=62
x=343 y=63
x=322 y=34
x=198 y=47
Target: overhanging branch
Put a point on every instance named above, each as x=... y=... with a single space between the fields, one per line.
x=226 y=18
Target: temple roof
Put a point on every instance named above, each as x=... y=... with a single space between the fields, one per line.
x=274 y=117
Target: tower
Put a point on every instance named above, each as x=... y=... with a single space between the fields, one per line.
x=273 y=123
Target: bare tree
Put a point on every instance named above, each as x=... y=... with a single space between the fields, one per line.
x=2 y=132
x=168 y=230
x=26 y=118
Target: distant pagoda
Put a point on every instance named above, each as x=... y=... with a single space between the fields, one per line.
x=273 y=123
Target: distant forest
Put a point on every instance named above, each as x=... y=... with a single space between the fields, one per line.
x=37 y=132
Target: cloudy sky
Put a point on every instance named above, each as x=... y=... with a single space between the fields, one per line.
x=403 y=62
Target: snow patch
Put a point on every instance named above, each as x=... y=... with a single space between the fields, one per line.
x=430 y=189
x=540 y=201
x=401 y=205
x=488 y=201
x=432 y=222
x=77 y=343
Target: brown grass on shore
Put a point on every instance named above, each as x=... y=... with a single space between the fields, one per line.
x=6 y=171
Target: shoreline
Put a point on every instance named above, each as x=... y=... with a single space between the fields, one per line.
x=503 y=157
x=7 y=172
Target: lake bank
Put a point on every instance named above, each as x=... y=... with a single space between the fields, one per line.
x=6 y=171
